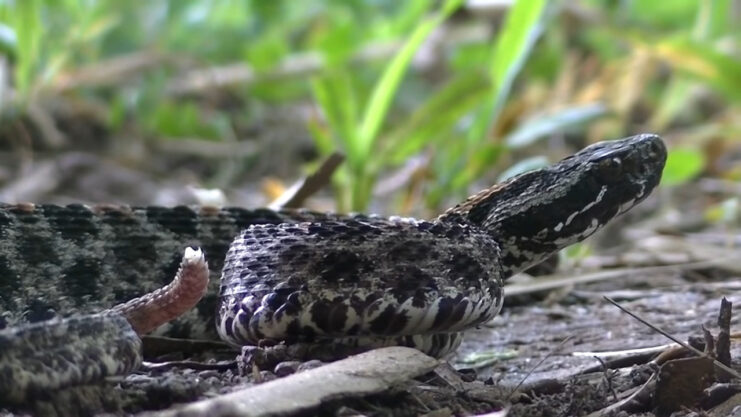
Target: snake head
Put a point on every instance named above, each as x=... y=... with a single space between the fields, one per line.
x=539 y=212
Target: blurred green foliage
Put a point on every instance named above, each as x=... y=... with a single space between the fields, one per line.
x=682 y=165
x=593 y=69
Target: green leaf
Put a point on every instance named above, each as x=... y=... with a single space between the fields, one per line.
x=681 y=166
x=703 y=61
x=322 y=137
x=527 y=164
x=29 y=31
x=727 y=211
x=673 y=101
x=8 y=41
x=388 y=84
x=437 y=116
x=485 y=157
x=336 y=97
x=410 y=13
x=340 y=40
x=264 y=53
x=182 y=120
x=541 y=127
x=521 y=28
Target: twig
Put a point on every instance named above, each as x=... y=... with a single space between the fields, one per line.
x=618 y=406
x=303 y=64
x=537 y=365
x=723 y=347
x=296 y=195
x=206 y=148
x=625 y=352
x=667 y=335
x=544 y=284
x=357 y=376
x=607 y=376
x=194 y=365
x=205 y=79
x=110 y=72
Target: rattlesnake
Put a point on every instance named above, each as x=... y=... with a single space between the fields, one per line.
x=366 y=281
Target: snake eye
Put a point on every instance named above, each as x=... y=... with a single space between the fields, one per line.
x=609 y=170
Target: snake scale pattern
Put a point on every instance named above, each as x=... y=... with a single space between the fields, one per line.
x=358 y=280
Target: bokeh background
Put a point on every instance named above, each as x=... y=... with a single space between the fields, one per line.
x=429 y=101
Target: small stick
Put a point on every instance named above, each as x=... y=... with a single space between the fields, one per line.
x=667 y=335
x=197 y=366
x=537 y=365
x=296 y=195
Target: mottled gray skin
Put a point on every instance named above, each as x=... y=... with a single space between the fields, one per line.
x=56 y=261
x=39 y=357
x=376 y=282
x=372 y=278
x=44 y=356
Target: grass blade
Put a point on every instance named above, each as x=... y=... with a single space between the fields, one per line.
x=540 y=127
x=388 y=84
x=521 y=29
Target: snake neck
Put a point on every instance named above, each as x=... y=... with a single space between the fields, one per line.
x=540 y=212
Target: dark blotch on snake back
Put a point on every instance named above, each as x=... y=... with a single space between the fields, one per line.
x=406 y=250
x=296 y=255
x=458 y=311
x=410 y=278
x=181 y=220
x=340 y=265
x=444 y=311
x=307 y=333
x=464 y=266
x=293 y=327
x=380 y=325
x=36 y=249
x=8 y=282
x=419 y=300
x=329 y=316
x=38 y=310
x=277 y=298
x=397 y=324
x=80 y=280
x=74 y=222
x=320 y=230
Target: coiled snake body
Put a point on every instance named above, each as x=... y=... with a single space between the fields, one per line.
x=366 y=281
x=398 y=281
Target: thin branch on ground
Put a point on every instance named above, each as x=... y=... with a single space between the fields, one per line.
x=549 y=283
x=537 y=365
x=671 y=337
x=297 y=195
